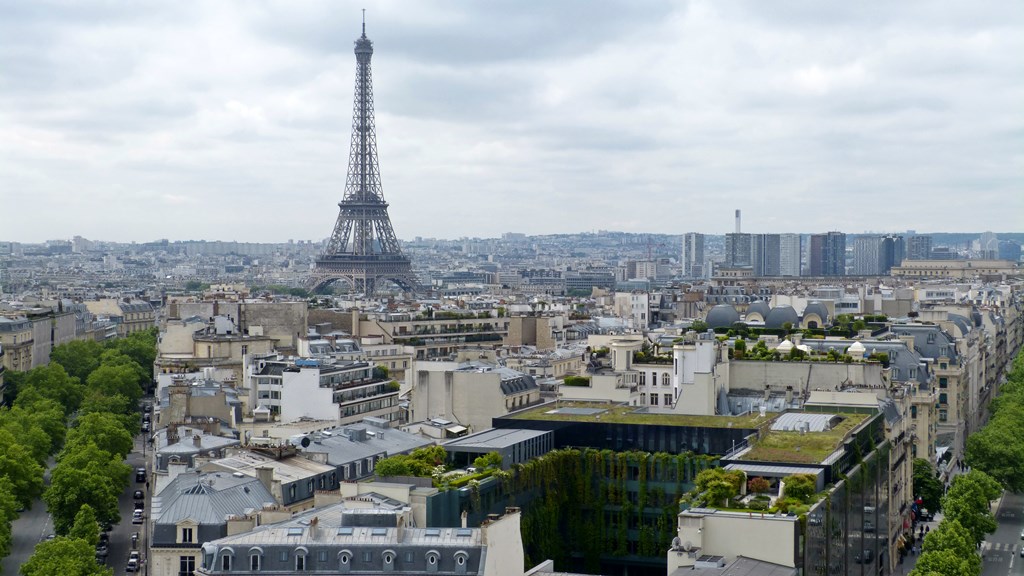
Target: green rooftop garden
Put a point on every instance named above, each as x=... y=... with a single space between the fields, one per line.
x=620 y=414
x=809 y=448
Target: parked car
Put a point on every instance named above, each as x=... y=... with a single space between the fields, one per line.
x=133 y=566
x=102 y=550
x=134 y=555
x=140 y=505
x=139 y=495
x=140 y=474
x=137 y=517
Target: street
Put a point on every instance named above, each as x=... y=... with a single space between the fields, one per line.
x=1001 y=551
x=29 y=529
x=33 y=525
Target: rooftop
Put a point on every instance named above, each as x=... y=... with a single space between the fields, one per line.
x=802 y=448
x=620 y=414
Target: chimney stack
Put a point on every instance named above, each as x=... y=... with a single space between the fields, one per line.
x=265 y=475
x=737 y=221
x=197 y=441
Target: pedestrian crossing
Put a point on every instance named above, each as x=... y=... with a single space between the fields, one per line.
x=999 y=547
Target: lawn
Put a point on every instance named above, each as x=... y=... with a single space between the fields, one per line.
x=619 y=414
x=809 y=448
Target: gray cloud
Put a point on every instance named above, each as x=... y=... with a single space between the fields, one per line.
x=231 y=120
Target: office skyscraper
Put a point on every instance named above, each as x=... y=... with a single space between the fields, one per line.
x=765 y=254
x=827 y=255
x=693 y=255
x=790 y=250
x=737 y=250
x=919 y=248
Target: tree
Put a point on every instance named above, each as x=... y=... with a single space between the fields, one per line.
x=78 y=357
x=8 y=512
x=699 y=326
x=926 y=485
x=18 y=465
x=489 y=460
x=111 y=380
x=951 y=535
x=944 y=563
x=968 y=502
x=71 y=488
x=86 y=527
x=758 y=485
x=139 y=346
x=65 y=556
x=996 y=448
x=800 y=487
x=103 y=429
x=718 y=485
x=51 y=381
x=116 y=406
x=116 y=358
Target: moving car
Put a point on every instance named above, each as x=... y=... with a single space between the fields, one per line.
x=137 y=517
x=140 y=474
x=139 y=495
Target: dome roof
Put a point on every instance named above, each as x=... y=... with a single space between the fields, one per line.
x=722 y=316
x=857 y=350
x=780 y=315
x=760 y=307
x=785 y=347
x=816 y=307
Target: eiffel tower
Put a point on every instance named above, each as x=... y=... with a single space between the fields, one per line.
x=363 y=249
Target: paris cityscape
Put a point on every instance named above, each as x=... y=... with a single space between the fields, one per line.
x=763 y=358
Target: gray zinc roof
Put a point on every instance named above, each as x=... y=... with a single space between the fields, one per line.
x=496 y=438
x=208 y=498
x=367 y=441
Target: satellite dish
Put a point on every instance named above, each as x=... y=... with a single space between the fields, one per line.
x=305 y=442
x=687 y=545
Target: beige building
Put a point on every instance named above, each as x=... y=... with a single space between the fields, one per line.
x=283 y=322
x=957 y=269
x=130 y=316
x=16 y=337
x=543 y=332
x=433 y=335
x=470 y=393
x=187 y=345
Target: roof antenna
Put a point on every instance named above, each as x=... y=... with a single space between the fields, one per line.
x=364 y=22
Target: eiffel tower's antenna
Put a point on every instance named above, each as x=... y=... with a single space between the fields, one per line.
x=363 y=248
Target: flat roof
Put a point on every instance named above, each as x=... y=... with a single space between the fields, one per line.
x=802 y=448
x=495 y=438
x=622 y=414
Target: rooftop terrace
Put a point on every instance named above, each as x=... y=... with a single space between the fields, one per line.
x=802 y=448
x=619 y=414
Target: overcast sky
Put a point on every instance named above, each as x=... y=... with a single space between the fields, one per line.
x=231 y=120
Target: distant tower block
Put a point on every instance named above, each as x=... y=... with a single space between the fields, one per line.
x=363 y=250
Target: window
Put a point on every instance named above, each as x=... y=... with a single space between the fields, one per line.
x=913 y=411
x=643 y=378
x=283 y=556
x=943 y=382
x=654 y=399
x=322 y=556
x=186 y=535
x=668 y=399
x=665 y=380
x=254 y=562
x=943 y=398
x=186 y=565
x=942 y=416
x=942 y=366
x=225 y=562
x=643 y=398
x=300 y=562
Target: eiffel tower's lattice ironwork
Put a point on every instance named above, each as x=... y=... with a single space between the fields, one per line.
x=363 y=249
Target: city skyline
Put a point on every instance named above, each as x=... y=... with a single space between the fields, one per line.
x=230 y=121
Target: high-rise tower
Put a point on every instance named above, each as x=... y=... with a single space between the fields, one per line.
x=363 y=249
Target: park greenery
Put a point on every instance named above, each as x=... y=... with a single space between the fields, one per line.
x=81 y=410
